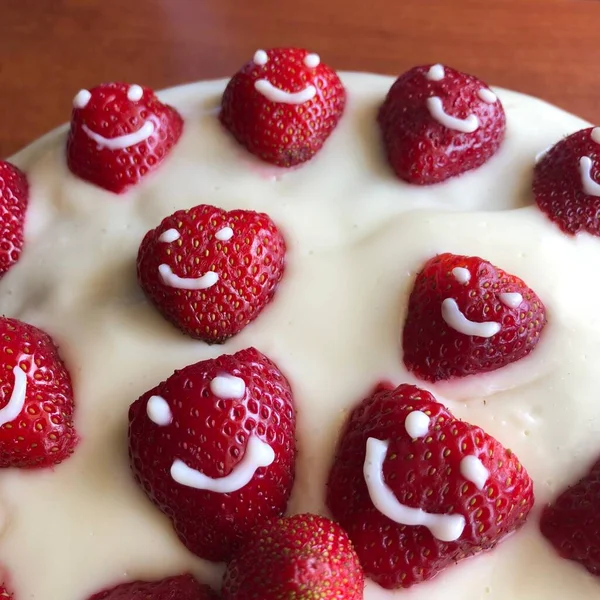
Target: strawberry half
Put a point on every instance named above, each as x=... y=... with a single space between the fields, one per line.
x=566 y=182
x=466 y=316
x=283 y=105
x=211 y=272
x=418 y=490
x=213 y=447
x=120 y=133
x=36 y=399
x=572 y=522
x=304 y=556
x=438 y=123
x=181 y=587
x=14 y=197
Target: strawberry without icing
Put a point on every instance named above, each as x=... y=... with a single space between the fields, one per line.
x=302 y=557
x=120 y=133
x=211 y=272
x=418 y=490
x=438 y=123
x=14 y=197
x=283 y=105
x=213 y=447
x=466 y=316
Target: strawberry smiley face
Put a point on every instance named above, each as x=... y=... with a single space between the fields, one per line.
x=214 y=448
x=283 y=105
x=418 y=490
x=120 y=133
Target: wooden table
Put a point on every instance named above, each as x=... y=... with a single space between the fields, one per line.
x=51 y=48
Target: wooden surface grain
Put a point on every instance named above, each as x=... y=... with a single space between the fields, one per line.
x=51 y=48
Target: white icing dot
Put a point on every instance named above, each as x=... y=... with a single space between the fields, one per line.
x=270 y=92
x=312 y=60
x=224 y=234
x=453 y=316
x=158 y=411
x=417 y=424
x=590 y=187
x=169 y=278
x=596 y=135
x=16 y=402
x=228 y=386
x=472 y=469
x=511 y=299
x=436 y=73
x=81 y=99
x=170 y=235
x=461 y=274
x=135 y=92
x=260 y=58
x=487 y=95
x=436 y=109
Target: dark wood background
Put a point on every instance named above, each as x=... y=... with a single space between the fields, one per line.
x=51 y=48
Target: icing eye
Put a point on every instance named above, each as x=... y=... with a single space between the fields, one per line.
x=436 y=73
x=135 y=93
x=487 y=96
x=158 y=411
x=461 y=275
x=312 y=60
x=81 y=99
x=511 y=299
x=168 y=236
x=260 y=58
x=224 y=234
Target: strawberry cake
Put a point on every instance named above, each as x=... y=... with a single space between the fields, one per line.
x=302 y=334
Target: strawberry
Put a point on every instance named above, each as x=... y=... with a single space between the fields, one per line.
x=14 y=196
x=4 y=593
x=283 y=105
x=418 y=490
x=120 y=133
x=211 y=272
x=36 y=399
x=566 y=182
x=303 y=557
x=181 y=587
x=466 y=316
x=438 y=123
x=572 y=522
x=213 y=447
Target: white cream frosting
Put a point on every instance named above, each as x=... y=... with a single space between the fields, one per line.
x=333 y=333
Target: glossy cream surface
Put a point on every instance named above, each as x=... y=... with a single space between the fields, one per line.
x=356 y=237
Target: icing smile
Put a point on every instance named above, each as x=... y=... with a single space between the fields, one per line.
x=187 y=283
x=270 y=92
x=122 y=141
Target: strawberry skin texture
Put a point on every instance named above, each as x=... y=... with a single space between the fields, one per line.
x=421 y=150
x=210 y=434
x=435 y=351
x=423 y=473
x=43 y=434
x=572 y=522
x=304 y=557
x=283 y=134
x=14 y=197
x=181 y=587
x=557 y=184
x=111 y=114
x=250 y=265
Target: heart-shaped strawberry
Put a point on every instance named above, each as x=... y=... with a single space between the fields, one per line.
x=466 y=316
x=120 y=133
x=213 y=447
x=566 y=182
x=438 y=123
x=14 y=197
x=418 y=490
x=211 y=272
x=283 y=105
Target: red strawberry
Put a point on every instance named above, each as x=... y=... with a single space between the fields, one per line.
x=4 y=593
x=283 y=105
x=213 y=447
x=14 y=196
x=181 y=587
x=566 y=182
x=231 y=263
x=301 y=557
x=119 y=133
x=448 y=489
x=466 y=316
x=572 y=522
x=438 y=123
x=36 y=399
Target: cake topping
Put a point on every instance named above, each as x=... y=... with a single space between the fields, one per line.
x=417 y=424
x=436 y=73
x=426 y=500
x=436 y=128
x=585 y=169
x=224 y=234
x=158 y=411
x=228 y=386
x=461 y=274
x=301 y=557
x=487 y=95
x=260 y=58
x=454 y=329
x=14 y=199
x=208 y=288
x=169 y=236
x=120 y=133
x=282 y=110
x=16 y=402
x=595 y=135
x=221 y=466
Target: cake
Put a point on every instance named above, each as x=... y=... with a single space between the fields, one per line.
x=357 y=231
